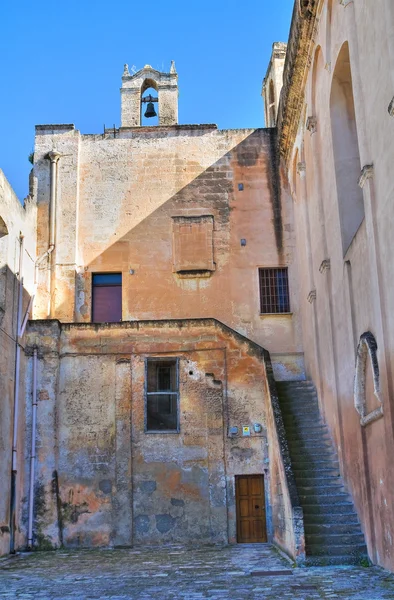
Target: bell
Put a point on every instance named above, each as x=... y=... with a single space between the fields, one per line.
x=150 y=110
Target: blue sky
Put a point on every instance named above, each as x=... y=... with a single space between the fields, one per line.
x=62 y=62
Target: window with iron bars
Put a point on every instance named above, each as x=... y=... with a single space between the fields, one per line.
x=162 y=395
x=274 y=291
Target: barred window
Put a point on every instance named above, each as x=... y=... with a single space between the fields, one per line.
x=274 y=291
x=162 y=396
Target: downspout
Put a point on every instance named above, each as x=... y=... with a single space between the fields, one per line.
x=21 y=325
x=14 y=468
x=33 y=452
x=53 y=156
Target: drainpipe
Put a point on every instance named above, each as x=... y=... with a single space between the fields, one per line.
x=16 y=397
x=33 y=452
x=53 y=156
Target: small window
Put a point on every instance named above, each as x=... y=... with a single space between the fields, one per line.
x=106 y=297
x=274 y=291
x=162 y=396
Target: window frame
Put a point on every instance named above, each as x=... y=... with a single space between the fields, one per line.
x=146 y=394
x=283 y=269
x=93 y=286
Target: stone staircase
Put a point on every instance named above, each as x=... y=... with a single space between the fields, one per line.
x=333 y=534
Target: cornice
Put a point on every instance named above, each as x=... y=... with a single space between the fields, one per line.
x=298 y=60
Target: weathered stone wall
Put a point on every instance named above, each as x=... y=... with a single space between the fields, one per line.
x=350 y=290
x=117 y=199
x=101 y=480
x=15 y=220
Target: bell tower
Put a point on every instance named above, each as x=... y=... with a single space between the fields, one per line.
x=273 y=82
x=133 y=88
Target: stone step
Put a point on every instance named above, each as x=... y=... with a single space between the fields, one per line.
x=291 y=399
x=326 y=561
x=330 y=519
x=294 y=383
x=302 y=420
x=294 y=397
x=310 y=444
x=339 y=508
x=310 y=480
x=312 y=454
x=308 y=434
x=302 y=423
x=322 y=489
x=334 y=539
x=338 y=550
x=312 y=429
x=332 y=528
x=322 y=498
x=324 y=467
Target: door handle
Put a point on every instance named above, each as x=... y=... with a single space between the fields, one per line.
x=256 y=506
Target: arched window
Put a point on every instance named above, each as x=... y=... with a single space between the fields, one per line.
x=271 y=105
x=318 y=67
x=328 y=31
x=345 y=149
x=149 y=102
x=3 y=266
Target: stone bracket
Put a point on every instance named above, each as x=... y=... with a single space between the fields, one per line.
x=391 y=108
x=325 y=266
x=366 y=173
x=311 y=296
x=311 y=124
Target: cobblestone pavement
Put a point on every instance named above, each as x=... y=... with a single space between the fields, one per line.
x=173 y=572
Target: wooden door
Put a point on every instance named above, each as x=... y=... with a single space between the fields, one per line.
x=250 y=501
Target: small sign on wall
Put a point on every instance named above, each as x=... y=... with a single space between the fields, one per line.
x=246 y=430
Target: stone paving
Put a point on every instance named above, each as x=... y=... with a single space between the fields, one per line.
x=233 y=572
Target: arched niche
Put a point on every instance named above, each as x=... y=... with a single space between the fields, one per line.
x=3 y=265
x=3 y=228
x=345 y=147
x=367 y=351
x=271 y=104
x=328 y=32
x=149 y=88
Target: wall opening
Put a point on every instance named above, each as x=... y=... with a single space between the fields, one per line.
x=345 y=149
x=271 y=105
x=162 y=395
x=149 y=88
x=3 y=265
x=106 y=297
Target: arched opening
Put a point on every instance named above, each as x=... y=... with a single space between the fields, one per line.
x=3 y=228
x=345 y=149
x=149 y=92
x=318 y=66
x=328 y=31
x=271 y=105
x=3 y=265
x=294 y=177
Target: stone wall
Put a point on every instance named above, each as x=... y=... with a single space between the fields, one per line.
x=101 y=479
x=119 y=198
x=346 y=290
x=15 y=220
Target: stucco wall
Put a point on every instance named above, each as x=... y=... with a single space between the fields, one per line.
x=354 y=290
x=14 y=221
x=101 y=480
x=117 y=197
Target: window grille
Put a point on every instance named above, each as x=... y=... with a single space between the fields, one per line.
x=162 y=395
x=274 y=291
x=106 y=297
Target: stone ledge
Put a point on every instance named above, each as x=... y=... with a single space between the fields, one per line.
x=56 y=127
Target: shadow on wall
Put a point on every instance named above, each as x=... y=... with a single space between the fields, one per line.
x=10 y=520
x=147 y=247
